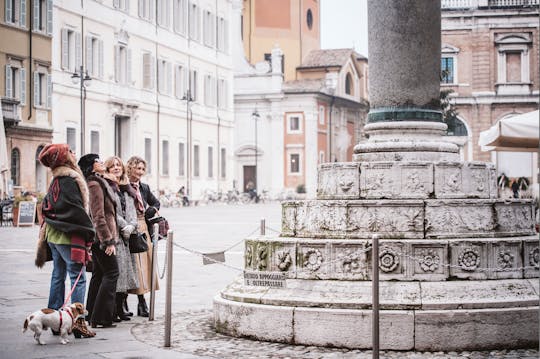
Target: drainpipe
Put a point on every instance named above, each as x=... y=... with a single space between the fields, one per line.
x=30 y=75
x=157 y=104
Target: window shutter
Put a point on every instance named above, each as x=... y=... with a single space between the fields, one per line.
x=8 y=11
x=65 y=49
x=116 y=3
x=141 y=8
x=22 y=14
x=127 y=5
x=158 y=20
x=22 y=73
x=177 y=79
x=78 y=51
x=169 y=78
x=151 y=10
x=36 y=13
x=100 y=58
x=226 y=36
x=49 y=91
x=89 y=56
x=146 y=70
x=176 y=16
x=9 y=82
x=37 y=89
x=128 y=67
x=49 y=17
x=116 y=63
x=160 y=77
x=152 y=71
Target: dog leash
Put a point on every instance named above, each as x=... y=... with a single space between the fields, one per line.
x=73 y=288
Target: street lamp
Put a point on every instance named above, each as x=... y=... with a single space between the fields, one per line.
x=255 y=116
x=86 y=81
x=189 y=116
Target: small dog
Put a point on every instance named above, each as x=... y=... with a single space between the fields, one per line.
x=59 y=320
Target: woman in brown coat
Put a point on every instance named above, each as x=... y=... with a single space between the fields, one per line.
x=102 y=290
x=136 y=168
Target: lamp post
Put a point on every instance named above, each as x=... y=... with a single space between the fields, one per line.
x=86 y=81
x=255 y=116
x=188 y=98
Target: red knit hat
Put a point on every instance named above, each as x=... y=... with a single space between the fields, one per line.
x=54 y=155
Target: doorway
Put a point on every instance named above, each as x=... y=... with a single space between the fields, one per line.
x=249 y=175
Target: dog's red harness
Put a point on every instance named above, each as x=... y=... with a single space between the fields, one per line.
x=60 y=314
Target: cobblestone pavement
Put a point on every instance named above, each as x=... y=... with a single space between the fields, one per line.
x=192 y=333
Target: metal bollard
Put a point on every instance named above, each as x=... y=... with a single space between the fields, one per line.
x=168 y=293
x=263 y=226
x=153 y=273
x=375 y=295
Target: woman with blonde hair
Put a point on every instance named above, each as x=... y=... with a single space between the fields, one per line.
x=126 y=217
x=136 y=169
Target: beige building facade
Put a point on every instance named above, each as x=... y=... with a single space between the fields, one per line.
x=25 y=88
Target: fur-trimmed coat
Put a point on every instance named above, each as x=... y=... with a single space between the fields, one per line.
x=103 y=208
x=65 y=208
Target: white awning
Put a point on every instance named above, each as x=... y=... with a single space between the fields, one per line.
x=517 y=133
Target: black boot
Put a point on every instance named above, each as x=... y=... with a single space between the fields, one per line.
x=142 y=308
x=120 y=308
x=115 y=313
x=125 y=306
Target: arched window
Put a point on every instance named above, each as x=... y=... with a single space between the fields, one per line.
x=456 y=127
x=16 y=166
x=349 y=85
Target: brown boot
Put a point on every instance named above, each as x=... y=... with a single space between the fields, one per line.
x=80 y=330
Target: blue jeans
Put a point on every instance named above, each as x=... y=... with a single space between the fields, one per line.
x=62 y=265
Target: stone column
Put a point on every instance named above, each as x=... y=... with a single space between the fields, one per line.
x=405 y=119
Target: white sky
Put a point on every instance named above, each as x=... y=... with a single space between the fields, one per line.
x=344 y=25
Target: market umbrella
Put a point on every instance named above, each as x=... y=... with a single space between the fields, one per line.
x=517 y=133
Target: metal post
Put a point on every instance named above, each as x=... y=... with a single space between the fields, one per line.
x=168 y=293
x=83 y=125
x=375 y=295
x=263 y=226
x=153 y=273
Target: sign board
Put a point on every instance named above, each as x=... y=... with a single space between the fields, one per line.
x=211 y=258
x=265 y=279
x=27 y=213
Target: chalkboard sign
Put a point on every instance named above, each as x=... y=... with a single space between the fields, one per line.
x=27 y=213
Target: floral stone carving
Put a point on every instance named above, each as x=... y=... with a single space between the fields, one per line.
x=534 y=257
x=429 y=261
x=284 y=261
x=388 y=260
x=351 y=262
x=262 y=253
x=505 y=260
x=313 y=259
x=469 y=259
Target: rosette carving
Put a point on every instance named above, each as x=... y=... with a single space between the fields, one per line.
x=388 y=260
x=469 y=259
x=313 y=259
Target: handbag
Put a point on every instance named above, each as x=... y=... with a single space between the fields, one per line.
x=152 y=217
x=138 y=243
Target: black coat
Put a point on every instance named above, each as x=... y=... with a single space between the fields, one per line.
x=148 y=197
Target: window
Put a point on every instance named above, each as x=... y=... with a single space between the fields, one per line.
x=181 y=159
x=180 y=16
x=349 y=86
x=196 y=161
x=294 y=163
x=94 y=141
x=163 y=13
x=209 y=32
x=193 y=84
x=148 y=71
x=165 y=158
x=42 y=12
x=146 y=9
x=180 y=81
x=71 y=138
x=165 y=77
x=513 y=63
x=223 y=163
x=210 y=162
x=222 y=34
x=121 y=5
x=148 y=154
x=222 y=100
x=15 y=12
x=447 y=70
x=15 y=81
x=71 y=50
x=94 y=56
x=322 y=114
x=16 y=166
x=194 y=21
x=293 y=125
x=309 y=19
x=209 y=90
x=42 y=88
x=122 y=65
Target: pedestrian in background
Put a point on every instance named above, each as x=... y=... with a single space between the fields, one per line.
x=102 y=290
x=136 y=169
x=126 y=217
x=67 y=229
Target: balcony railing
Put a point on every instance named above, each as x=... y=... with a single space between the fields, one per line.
x=469 y=4
x=10 y=111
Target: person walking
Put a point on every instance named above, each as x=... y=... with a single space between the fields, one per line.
x=102 y=289
x=126 y=215
x=67 y=231
x=136 y=169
